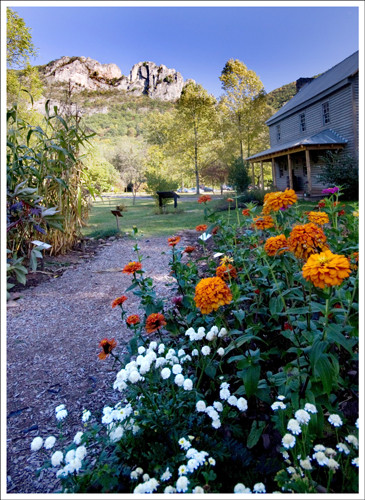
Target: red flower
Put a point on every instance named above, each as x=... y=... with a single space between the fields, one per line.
x=154 y=322
x=257 y=291
x=189 y=249
x=230 y=200
x=201 y=227
x=132 y=267
x=215 y=230
x=107 y=347
x=134 y=319
x=173 y=241
x=204 y=198
x=287 y=326
x=246 y=212
x=119 y=301
x=341 y=212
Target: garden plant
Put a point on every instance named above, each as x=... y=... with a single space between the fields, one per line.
x=245 y=379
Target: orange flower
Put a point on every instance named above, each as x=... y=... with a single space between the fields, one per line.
x=154 y=322
x=173 y=241
x=211 y=293
x=132 y=267
x=226 y=271
x=107 y=347
x=215 y=230
x=204 y=198
x=319 y=218
x=189 y=249
x=341 y=212
x=230 y=200
x=246 y=212
x=263 y=222
x=276 y=245
x=201 y=227
x=280 y=199
x=119 y=301
x=134 y=319
x=321 y=204
x=307 y=239
x=326 y=269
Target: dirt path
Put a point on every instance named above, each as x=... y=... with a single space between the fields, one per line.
x=52 y=348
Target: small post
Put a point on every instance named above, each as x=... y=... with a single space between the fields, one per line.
x=117 y=214
x=262 y=175
x=290 y=167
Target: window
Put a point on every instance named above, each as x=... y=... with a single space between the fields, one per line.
x=278 y=133
x=302 y=122
x=326 y=112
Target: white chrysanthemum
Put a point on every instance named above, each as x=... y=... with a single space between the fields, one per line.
x=321 y=458
x=141 y=349
x=170 y=354
x=145 y=477
x=278 y=404
x=139 y=470
x=211 y=461
x=241 y=488
x=216 y=423
x=165 y=373
x=153 y=345
x=206 y=350
x=218 y=405
x=285 y=454
x=192 y=464
x=198 y=490
x=169 y=489
x=232 y=400
x=86 y=414
x=294 y=427
x=330 y=451
x=220 y=351
x=77 y=438
x=224 y=394
x=191 y=453
x=291 y=470
x=183 y=469
x=335 y=420
x=302 y=416
x=306 y=464
x=80 y=452
x=185 y=358
x=61 y=415
x=182 y=484
x=281 y=397
x=352 y=440
x=259 y=488
x=288 y=441
x=134 y=475
x=161 y=348
x=343 y=448
x=200 y=457
x=176 y=369
x=36 y=444
x=184 y=444
x=145 y=367
x=49 y=442
x=56 y=458
x=70 y=455
x=166 y=475
x=224 y=385
x=310 y=408
x=332 y=464
x=188 y=384
x=195 y=352
x=319 y=447
x=116 y=434
x=211 y=412
x=222 y=332
x=160 y=362
x=181 y=353
x=179 y=380
x=59 y=408
x=200 y=333
x=134 y=376
x=242 y=404
x=200 y=406
x=355 y=461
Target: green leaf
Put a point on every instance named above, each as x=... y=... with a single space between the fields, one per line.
x=250 y=377
x=211 y=371
x=334 y=335
x=275 y=305
x=255 y=433
x=324 y=370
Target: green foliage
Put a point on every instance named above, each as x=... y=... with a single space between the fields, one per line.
x=19 y=46
x=102 y=174
x=341 y=169
x=157 y=182
x=238 y=175
x=278 y=97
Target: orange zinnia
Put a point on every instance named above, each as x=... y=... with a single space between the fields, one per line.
x=326 y=269
x=319 y=218
x=246 y=212
x=226 y=271
x=307 y=239
x=230 y=200
x=132 y=267
x=154 y=322
x=211 y=293
x=173 y=241
x=276 y=244
x=107 y=347
x=263 y=222
x=189 y=249
x=204 y=198
x=134 y=319
x=215 y=230
x=280 y=199
x=201 y=227
x=119 y=301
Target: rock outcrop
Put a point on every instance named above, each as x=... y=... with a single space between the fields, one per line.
x=145 y=78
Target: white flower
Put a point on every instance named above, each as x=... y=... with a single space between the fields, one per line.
x=176 y=369
x=169 y=489
x=310 y=408
x=302 y=416
x=278 y=404
x=195 y=352
x=145 y=477
x=335 y=420
x=355 y=461
x=211 y=461
x=224 y=385
x=192 y=464
x=160 y=362
x=293 y=426
x=60 y=415
x=216 y=423
x=222 y=333
x=321 y=458
x=220 y=351
x=134 y=475
x=259 y=488
x=134 y=376
x=319 y=447
x=241 y=488
x=153 y=345
x=77 y=438
x=200 y=406
x=330 y=451
x=166 y=475
x=188 y=384
x=224 y=394
x=198 y=489
x=357 y=423
x=281 y=398
x=232 y=400
x=116 y=434
x=70 y=455
x=342 y=448
x=151 y=356
x=291 y=470
x=49 y=442
x=36 y=444
x=191 y=453
x=56 y=458
x=332 y=464
x=182 y=484
x=161 y=349
x=183 y=359
x=59 y=408
x=184 y=444
x=86 y=414
x=206 y=350
x=242 y=404
x=285 y=454
x=182 y=470
x=179 y=379
x=181 y=352
x=288 y=441
x=352 y=440
x=139 y=470
x=80 y=452
x=211 y=412
x=306 y=464
x=218 y=405
x=165 y=373
x=141 y=349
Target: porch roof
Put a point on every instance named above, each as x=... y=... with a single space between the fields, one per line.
x=323 y=140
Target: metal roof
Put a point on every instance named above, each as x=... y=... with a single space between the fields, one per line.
x=320 y=85
x=328 y=136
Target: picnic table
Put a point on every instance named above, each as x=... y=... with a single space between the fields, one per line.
x=167 y=194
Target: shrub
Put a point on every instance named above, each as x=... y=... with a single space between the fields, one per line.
x=238 y=175
x=341 y=169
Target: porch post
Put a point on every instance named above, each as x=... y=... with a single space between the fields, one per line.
x=273 y=171
x=253 y=173
x=290 y=167
x=308 y=165
x=262 y=175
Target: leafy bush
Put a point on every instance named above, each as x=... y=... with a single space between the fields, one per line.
x=238 y=175
x=341 y=169
x=157 y=182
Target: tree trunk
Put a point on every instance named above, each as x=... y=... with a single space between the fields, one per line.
x=196 y=159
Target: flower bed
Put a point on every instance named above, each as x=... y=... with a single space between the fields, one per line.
x=245 y=380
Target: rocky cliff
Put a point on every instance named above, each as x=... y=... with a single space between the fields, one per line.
x=145 y=78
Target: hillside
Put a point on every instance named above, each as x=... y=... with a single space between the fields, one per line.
x=278 y=97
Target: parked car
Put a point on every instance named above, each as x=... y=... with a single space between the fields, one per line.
x=227 y=188
x=208 y=190
x=182 y=190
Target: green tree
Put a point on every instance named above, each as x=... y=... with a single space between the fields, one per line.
x=238 y=175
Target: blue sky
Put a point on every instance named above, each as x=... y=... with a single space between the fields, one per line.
x=280 y=44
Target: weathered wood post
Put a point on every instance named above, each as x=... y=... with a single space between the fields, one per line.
x=117 y=214
x=290 y=167
x=309 y=174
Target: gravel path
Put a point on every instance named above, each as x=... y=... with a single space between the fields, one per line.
x=52 y=348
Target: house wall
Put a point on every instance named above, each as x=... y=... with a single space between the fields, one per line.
x=299 y=170
x=343 y=109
